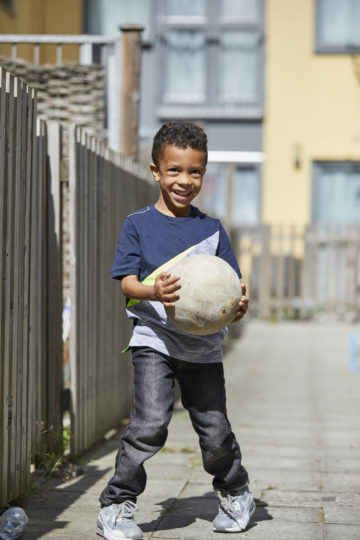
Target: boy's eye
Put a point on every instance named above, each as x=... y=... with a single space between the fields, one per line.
x=196 y=172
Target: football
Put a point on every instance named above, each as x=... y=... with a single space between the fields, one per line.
x=209 y=295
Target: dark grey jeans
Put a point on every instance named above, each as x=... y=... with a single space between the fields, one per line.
x=203 y=395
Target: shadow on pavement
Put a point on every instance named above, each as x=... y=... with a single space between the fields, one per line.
x=181 y=513
x=53 y=498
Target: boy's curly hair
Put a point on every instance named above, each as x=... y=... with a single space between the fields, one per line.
x=182 y=134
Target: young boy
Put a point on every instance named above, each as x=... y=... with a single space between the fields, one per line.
x=150 y=242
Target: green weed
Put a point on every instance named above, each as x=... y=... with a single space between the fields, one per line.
x=51 y=448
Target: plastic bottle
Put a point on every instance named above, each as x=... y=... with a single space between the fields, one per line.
x=12 y=523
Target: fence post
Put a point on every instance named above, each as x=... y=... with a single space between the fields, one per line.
x=130 y=89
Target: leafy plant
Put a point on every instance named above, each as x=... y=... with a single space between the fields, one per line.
x=51 y=448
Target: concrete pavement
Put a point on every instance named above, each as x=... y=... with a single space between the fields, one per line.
x=294 y=403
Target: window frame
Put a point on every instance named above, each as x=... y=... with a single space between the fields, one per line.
x=321 y=48
x=213 y=108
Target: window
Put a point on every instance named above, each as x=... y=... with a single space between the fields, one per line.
x=246 y=196
x=238 y=203
x=336 y=193
x=337 y=26
x=210 y=58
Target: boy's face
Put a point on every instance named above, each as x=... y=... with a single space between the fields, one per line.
x=180 y=175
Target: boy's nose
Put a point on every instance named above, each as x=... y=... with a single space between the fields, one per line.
x=184 y=180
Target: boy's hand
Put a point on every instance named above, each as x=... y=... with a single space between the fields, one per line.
x=243 y=305
x=165 y=288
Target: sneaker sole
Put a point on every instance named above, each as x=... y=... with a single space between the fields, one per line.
x=239 y=527
x=101 y=533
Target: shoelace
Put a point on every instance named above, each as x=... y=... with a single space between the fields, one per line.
x=230 y=504
x=126 y=510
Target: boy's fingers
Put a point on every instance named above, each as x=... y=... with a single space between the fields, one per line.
x=164 y=275
x=172 y=279
x=172 y=287
x=169 y=298
x=172 y=297
x=170 y=302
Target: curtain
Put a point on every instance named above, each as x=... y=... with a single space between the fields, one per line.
x=213 y=192
x=338 y=196
x=246 y=197
x=238 y=66
x=185 y=66
x=245 y=194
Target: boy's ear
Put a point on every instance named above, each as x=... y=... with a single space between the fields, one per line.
x=155 y=172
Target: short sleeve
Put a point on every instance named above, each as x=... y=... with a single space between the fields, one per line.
x=225 y=250
x=127 y=259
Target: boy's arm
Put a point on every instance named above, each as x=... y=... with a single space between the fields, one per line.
x=164 y=289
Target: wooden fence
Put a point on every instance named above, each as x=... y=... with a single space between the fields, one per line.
x=104 y=188
x=296 y=273
x=29 y=382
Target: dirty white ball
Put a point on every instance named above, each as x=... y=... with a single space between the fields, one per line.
x=209 y=295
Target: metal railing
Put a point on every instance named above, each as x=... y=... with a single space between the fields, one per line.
x=86 y=45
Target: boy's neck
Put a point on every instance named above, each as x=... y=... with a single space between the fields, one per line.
x=185 y=212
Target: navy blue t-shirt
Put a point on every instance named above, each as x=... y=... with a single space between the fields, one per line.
x=151 y=242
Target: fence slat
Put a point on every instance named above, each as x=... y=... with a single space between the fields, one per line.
x=9 y=305
x=4 y=367
x=54 y=277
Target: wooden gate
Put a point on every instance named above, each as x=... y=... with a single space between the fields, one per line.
x=296 y=273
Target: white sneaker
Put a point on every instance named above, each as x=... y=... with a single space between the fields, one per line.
x=116 y=522
x=235 y=510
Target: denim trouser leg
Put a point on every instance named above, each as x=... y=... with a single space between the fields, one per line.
x=203 y=395
x=147 y=431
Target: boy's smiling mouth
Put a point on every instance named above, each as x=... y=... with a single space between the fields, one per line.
x=182 y=194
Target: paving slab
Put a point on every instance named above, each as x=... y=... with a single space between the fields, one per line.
x=340 y=481
x=341 y=514
x=294 y=405
x=341 y=532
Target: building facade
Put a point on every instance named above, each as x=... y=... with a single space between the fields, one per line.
x=272 y=79
x=202 y=60
x=312 y=124
x=276 y=77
